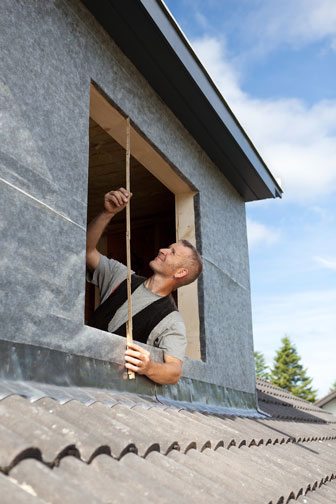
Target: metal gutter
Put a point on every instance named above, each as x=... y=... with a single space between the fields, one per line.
x=149 y=36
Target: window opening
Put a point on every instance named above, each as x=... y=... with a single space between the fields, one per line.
x=162 y=208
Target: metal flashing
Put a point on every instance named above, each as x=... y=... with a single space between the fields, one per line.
x=150 y=37
x=30 y=370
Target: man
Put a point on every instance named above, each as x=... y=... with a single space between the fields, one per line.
x=156 y=320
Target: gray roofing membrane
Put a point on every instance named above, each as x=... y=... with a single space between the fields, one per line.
x=118 y=448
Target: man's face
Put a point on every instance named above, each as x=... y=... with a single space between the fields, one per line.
x=170 y=260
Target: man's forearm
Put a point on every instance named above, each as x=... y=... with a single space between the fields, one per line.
x=114 y=202
x=166 y=373
x=96 y=229
x=139 y=360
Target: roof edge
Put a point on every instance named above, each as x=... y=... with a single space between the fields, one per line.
x=150 y=37
x=327 y=398
x=219 y=94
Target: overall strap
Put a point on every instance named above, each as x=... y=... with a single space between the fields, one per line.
x=145 y=321
x=106 y=311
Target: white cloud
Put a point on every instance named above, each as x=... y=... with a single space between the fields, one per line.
x=297 y=142
x=298 y=22
x=213 y=53
x=201 y=19
x=326 y=263
x=258 y=233
x=309 y=319
x=323 y=214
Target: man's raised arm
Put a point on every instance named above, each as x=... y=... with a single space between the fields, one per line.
x=114 y=202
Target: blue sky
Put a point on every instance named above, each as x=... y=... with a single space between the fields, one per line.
x=276 y=68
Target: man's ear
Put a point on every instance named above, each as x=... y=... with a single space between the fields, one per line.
x=180 y=273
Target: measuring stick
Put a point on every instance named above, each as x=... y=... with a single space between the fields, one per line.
x=129 y=323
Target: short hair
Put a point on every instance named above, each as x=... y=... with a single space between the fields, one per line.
x=194 y=264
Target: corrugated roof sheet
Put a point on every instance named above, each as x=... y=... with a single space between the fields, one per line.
x=124 y=448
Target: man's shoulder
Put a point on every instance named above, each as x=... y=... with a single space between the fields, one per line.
x=177 y=317
x=170 y=335
x=108 y=274
x=172 y=321
x=111 y=265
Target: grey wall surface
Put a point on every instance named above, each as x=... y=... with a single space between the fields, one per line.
x=52 y=51
x=330 y=406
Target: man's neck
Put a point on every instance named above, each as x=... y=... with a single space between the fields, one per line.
x=159 y=285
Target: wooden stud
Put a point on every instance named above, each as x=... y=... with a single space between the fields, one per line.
x=188 y=295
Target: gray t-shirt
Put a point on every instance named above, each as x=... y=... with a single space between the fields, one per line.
x=170 y=331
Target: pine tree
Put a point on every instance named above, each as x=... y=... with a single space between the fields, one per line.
x=289 y=374
x=262 y=370
x=333 y=387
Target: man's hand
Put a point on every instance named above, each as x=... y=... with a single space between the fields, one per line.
x=139 y=360
x=116 y=201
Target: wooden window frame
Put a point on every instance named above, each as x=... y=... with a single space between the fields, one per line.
x=114 y=123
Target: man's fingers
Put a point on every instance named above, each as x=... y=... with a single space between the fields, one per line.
x=119 y=197
x=128 y=358
x=125 y=193
x=134 y=353
x=122 y=195
x=132 y=368
x=137 y=358
x=113 y=199
x=135 y=347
